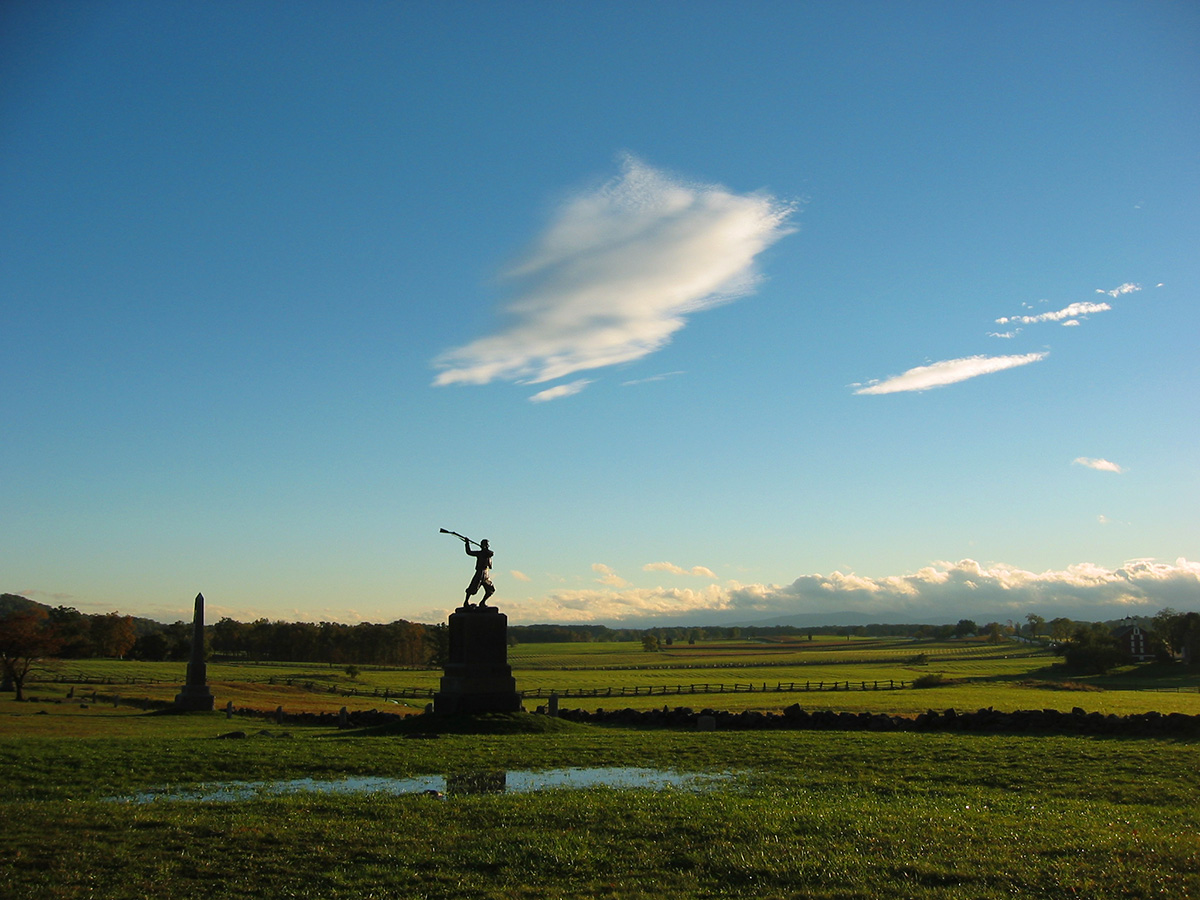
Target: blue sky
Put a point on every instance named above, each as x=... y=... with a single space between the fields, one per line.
x=698 y=311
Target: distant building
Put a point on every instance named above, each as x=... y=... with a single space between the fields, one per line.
x=1134 y=641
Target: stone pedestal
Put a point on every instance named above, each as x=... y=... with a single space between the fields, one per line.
x=478 y=678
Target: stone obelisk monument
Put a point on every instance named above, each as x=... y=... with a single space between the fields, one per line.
x=478 y=678
x=195 y=695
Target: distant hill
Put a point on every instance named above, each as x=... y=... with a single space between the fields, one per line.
x=818 y=620
x=11 y=603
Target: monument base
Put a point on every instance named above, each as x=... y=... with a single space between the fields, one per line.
x=478 y=678
x=192 y=698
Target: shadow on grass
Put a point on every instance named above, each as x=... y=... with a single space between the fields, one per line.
x=432 y=725
x=1142 y=676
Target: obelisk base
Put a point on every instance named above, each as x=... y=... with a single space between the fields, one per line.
x=478 y=678
x=194 y=698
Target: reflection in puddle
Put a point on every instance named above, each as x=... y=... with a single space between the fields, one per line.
x=493 y=782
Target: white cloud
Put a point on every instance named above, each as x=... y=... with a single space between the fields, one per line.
x=663 y=377
x=1004 y=334
x=949 y=371
x=617 y=272
x=1126 y=288
x=561 y=390
x=1067 y=312
x=698 y=571
x=608 y=576
x=940 y=591
x=519 y=576
x=1100 y=465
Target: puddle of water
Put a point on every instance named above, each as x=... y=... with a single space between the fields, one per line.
x=466 y=783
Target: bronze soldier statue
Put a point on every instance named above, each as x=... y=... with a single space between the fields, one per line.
x=483 y=562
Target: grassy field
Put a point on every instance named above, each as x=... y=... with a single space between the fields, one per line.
x=801 y=814
x=977 y=674
x=798 y=814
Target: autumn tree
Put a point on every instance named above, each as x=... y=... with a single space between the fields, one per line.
x=26 y=636
x=113 y=635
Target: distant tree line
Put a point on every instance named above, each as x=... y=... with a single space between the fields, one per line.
x=398 y=643
x=66 y=633
x=30 y=631
x=1092 y=648
x=81 y=635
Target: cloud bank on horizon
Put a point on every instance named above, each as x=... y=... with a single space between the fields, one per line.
x=964 y=588
x=615 y=275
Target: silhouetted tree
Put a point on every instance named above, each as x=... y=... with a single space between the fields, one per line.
x=1178 y=634
x=1092 y=650
x=1061 y=628
x=151 y=647
x=26 y=637
x=1036 y=623
x=438 y=638
x=73 y=630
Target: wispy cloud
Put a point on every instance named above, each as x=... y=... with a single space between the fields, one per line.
x=518 y=575
x=942 y=591
x=1007 y=335
x=662 y=377
x=948 y=371
x=608 y=576
x=1100 y=465
x=1067 y=312
x=1126 y=288
x=698 y=571
x=52 y=596
x=617 y=272
x=561 y=390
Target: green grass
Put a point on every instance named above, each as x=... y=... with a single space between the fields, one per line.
x=720 y=654
x=977 y=675
x=804 y=814
x=807 y=814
